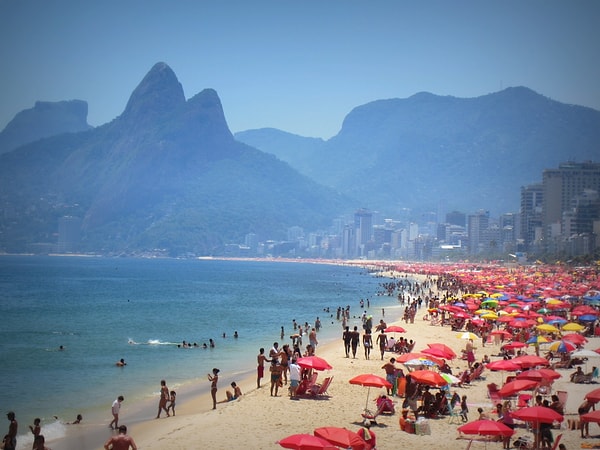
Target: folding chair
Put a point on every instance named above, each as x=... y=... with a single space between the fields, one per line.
x=453 y=413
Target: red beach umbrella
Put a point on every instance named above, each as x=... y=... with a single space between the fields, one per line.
x=306 y=442
x=438 y=353
x=593 y=416
x=593 y=396
x=515 y=344
x=443 y=347
x=539 y=375
x=529 y=361
x=513 y=387
x=575 y=338
x=503 y=364
x=314 y=362
x=370 y=380
x=342 y=437
x=538 y=414
x=428 y=377
x=486 y=428
x=395 y=329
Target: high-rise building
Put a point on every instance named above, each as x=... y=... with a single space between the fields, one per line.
x=532 y=202
x=363 y=229
x=561 y=186
x=477 y=224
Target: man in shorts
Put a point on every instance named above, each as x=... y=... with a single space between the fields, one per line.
x=294 y=369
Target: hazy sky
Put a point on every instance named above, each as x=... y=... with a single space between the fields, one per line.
x=296 y=65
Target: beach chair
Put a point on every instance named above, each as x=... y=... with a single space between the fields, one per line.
x=493 y=393
x=383 y=408
x=453 y=413
x=556 y=441
x=306 y=384
x=320 y=389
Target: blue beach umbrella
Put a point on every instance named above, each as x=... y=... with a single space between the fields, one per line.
x=587 y=318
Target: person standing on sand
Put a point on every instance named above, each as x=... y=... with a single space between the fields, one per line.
x=116 y=407
x=164 y=398
x=355 y=337
x=275 y=376
x=294 y=378
x=312 y=338
x=11 y=437
x=121 y=441
x=382 y=341
x=260 y=368
x=367 y=343
x=214 y=379
x=347 y=338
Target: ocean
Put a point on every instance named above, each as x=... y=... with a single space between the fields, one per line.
x=103 y=309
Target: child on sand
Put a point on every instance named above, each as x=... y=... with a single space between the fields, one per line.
x=172 y=402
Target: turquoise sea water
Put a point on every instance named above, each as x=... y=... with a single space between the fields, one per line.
x=101 y=310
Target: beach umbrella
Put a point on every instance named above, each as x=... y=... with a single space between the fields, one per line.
x=444 y=347
x=395 y=329
x=513 y=345
x=539 y=375
x=428 y=377
x=370 y=380
x=562 y=346
x=537 y=339
x=547 y=327
x=313 y=362
x=501 y=333
x=521 y=323
x=503 y=364
x=587 y=318
x=513 y=387
x=585 y=353
x=467 y=335
x=421 y=362
x=437 y=353
x=538 y=414
x=529 y=361
x=450 y=379
x=593 y=416
x=486 y=428
x=593 y=396
x=575 y=338
x=342 y=437
x=410 y=356
x=572 y=326
x=306 y=442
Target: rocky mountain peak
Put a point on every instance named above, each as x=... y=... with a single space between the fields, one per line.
x=158 y=95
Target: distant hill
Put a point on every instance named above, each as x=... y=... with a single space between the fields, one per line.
x=468 y=153
x=45 y=119
x=166 y=175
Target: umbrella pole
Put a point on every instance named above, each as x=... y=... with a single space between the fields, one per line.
x=367 y=403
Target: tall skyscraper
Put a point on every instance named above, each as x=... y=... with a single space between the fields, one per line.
x=532 y=199
x=563 y=185
x=363 y=229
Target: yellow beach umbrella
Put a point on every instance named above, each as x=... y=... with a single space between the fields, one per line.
x=490 y=316
x=483 y=311
x=547 y=327
x=572 y=326
x=467 y=335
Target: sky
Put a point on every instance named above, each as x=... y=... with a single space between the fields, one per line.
x=299 y=66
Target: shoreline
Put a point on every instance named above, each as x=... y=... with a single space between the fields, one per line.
x=193 y=395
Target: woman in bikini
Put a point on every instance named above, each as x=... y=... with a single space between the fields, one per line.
x=214 y=378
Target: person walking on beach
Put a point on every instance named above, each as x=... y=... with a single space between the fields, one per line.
x=116 y=407
x=260 y=368
x=164 y=398
x=382 y=341
x=312 y=338
x=121 y=441
x=367 y=343
x=355 y=337
x=11 y=437
x=347 y=338
x=36 y=428
x=172 y=400
x=214 y=379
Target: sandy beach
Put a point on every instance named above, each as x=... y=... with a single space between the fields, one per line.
x=258 y=421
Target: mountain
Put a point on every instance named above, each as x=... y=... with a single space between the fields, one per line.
x=45 y=119
x=166 y=175
x=466 y=153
